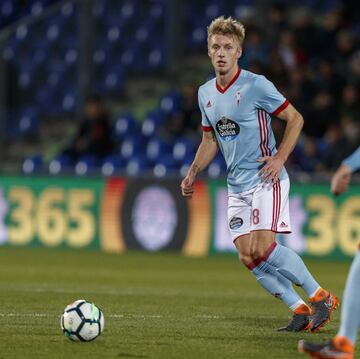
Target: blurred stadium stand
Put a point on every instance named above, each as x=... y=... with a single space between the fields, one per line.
x=140 y=56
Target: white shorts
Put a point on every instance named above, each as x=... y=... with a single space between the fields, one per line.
x=265 y=207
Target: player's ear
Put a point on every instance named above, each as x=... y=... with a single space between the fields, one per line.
x=239 y=52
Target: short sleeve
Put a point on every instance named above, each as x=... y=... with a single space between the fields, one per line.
x=205 y=123
x=353 y=161
x=268 y=97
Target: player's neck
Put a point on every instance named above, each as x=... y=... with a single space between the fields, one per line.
x=223 y=80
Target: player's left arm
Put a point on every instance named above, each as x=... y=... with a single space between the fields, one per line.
x=274 y=164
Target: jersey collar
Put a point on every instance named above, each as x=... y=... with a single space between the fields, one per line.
x=222 y=90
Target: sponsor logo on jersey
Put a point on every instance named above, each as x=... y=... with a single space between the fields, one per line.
x=227 y=129
x=208 y=104
x=236 y=223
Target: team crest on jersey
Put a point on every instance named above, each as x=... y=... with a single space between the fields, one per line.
x=236 y=223
x=227 y=129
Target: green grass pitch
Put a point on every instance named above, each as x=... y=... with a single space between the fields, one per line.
x=155 y=306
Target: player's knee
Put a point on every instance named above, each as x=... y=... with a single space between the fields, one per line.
x=260 y=248
x=256 y=253
x=245 y=258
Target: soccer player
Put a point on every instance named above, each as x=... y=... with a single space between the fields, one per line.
x=236 y=108
x=343 y=344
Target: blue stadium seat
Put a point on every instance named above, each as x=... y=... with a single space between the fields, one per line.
x=156 y=148
x=24 y=122
x=53 y=28
x=114 y=34
x=69 y=100
x=244 y=11
x=198 y=37
x=125 y=125
x=155 y=58
x=132 y=146
x=68 y=9
x=151 y=122
x=86 y=164
x=170 y=103
x=22 y=33
x=164 y=166
x=111 y=164
x=183 y=148
x=128 y=58
x=100 y=56
x=32 y=164
x=112 y=80
x=7 y=8
x=25 y=79
x=137 y=165
x=185 y=165
x=60 y=164
x=37 y=8
x=39 y=56
x=98 y=9
x=128 y=9
x=142 y=34
x=55 y=79
x=213 y=10
x=28 y=122
x=44 y=98
x=156 y=10
x=71 y=56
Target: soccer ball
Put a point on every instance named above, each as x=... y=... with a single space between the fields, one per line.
x=82 y=321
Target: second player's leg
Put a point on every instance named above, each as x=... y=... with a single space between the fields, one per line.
x=350 y=312
x=343 y=344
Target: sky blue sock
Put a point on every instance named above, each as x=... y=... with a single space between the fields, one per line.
x=292 y=267
x=350 y=309
x=276 y=284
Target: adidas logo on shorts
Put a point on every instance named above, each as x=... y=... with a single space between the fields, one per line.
x=283 y=225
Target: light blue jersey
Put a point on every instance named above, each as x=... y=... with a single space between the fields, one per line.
x=353 y=161
x=239 y=115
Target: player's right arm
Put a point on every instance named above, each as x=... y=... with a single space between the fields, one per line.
x=342 y=177
x=204 y=155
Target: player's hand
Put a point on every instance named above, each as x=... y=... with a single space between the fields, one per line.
x=341 y=179
x=187 y=186
x=272 y=168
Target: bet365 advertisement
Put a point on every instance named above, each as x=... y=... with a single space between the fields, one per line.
x=119 y=214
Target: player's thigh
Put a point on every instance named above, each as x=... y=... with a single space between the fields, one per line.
x=239 y=215
x=242 y=244
x=270 y=207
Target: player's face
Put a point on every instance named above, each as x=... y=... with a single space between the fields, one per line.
x=224 y=52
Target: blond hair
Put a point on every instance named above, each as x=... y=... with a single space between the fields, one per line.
x=229 y=26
